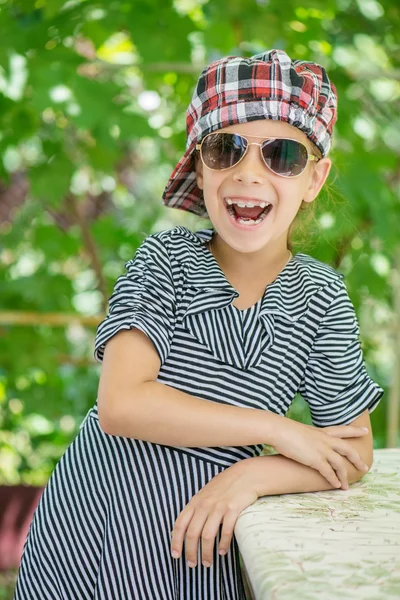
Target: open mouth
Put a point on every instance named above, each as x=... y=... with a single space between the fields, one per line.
x=249 y=216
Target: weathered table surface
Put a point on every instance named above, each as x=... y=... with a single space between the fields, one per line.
x=328 y=545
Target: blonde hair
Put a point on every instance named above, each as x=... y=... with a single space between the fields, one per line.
x=305 y=227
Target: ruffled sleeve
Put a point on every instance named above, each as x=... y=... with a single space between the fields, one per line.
x=143 y=298
x=335 y=383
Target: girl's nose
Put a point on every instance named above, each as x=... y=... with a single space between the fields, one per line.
x=251 y=168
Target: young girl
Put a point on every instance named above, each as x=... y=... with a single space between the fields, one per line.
x=209 y=337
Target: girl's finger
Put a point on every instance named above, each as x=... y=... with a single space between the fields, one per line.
x=352 y=455
x=210 y=532
x=339 y=467
x=348 y=431
x=326 y=471
x=228 y=527
x=193 y=534
x=178 y=532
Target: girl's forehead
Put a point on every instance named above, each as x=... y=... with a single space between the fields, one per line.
x=267 y=128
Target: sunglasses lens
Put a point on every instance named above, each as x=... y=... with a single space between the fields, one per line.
x=285 y=157
x=222 y=150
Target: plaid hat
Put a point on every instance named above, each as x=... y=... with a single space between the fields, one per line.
x=233 y=90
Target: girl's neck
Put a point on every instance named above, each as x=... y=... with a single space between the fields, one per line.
x=248 y=266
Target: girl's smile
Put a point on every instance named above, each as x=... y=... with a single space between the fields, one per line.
x=247 y=212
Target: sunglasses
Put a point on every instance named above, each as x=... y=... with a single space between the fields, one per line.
x=286 y=157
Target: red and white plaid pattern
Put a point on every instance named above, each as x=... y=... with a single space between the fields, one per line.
x=233 y=90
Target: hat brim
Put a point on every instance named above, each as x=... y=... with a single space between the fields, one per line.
x=182 y=191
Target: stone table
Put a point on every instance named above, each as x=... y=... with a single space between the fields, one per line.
x=328 y=545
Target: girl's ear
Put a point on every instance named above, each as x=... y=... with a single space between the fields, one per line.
x=317 y=179
x=199 y=169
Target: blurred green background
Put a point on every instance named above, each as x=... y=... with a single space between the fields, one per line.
x=93 y=98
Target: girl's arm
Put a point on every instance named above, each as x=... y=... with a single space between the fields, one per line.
x=161 y=414
x=277 y=474
x=132 y=403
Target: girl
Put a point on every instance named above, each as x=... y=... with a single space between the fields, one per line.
x=209 y=337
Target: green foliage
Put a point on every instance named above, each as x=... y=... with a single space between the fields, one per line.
x=75 y=126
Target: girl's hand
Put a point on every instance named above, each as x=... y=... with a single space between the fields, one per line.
x=219 y=501
x=320 y=448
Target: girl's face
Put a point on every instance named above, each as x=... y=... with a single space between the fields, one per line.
x=251 y=178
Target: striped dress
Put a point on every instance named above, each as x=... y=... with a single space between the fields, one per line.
x=102 y=529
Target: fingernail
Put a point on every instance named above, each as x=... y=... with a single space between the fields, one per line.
x=365 y=467
x=365 y=428
x=222 y=552
x=206 y=563
x=191 y=564
x=175 y=554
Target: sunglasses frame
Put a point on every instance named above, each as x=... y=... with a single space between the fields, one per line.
x=311 y=157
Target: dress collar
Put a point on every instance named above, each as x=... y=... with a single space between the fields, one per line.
x=281 y=296
x=205 y=272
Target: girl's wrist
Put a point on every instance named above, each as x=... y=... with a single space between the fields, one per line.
x=253 y=470
x=272 y=425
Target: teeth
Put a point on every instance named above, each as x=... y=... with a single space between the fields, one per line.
x=248 y=204
x=249 y=221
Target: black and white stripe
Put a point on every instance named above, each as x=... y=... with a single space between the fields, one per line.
x=102 y=528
